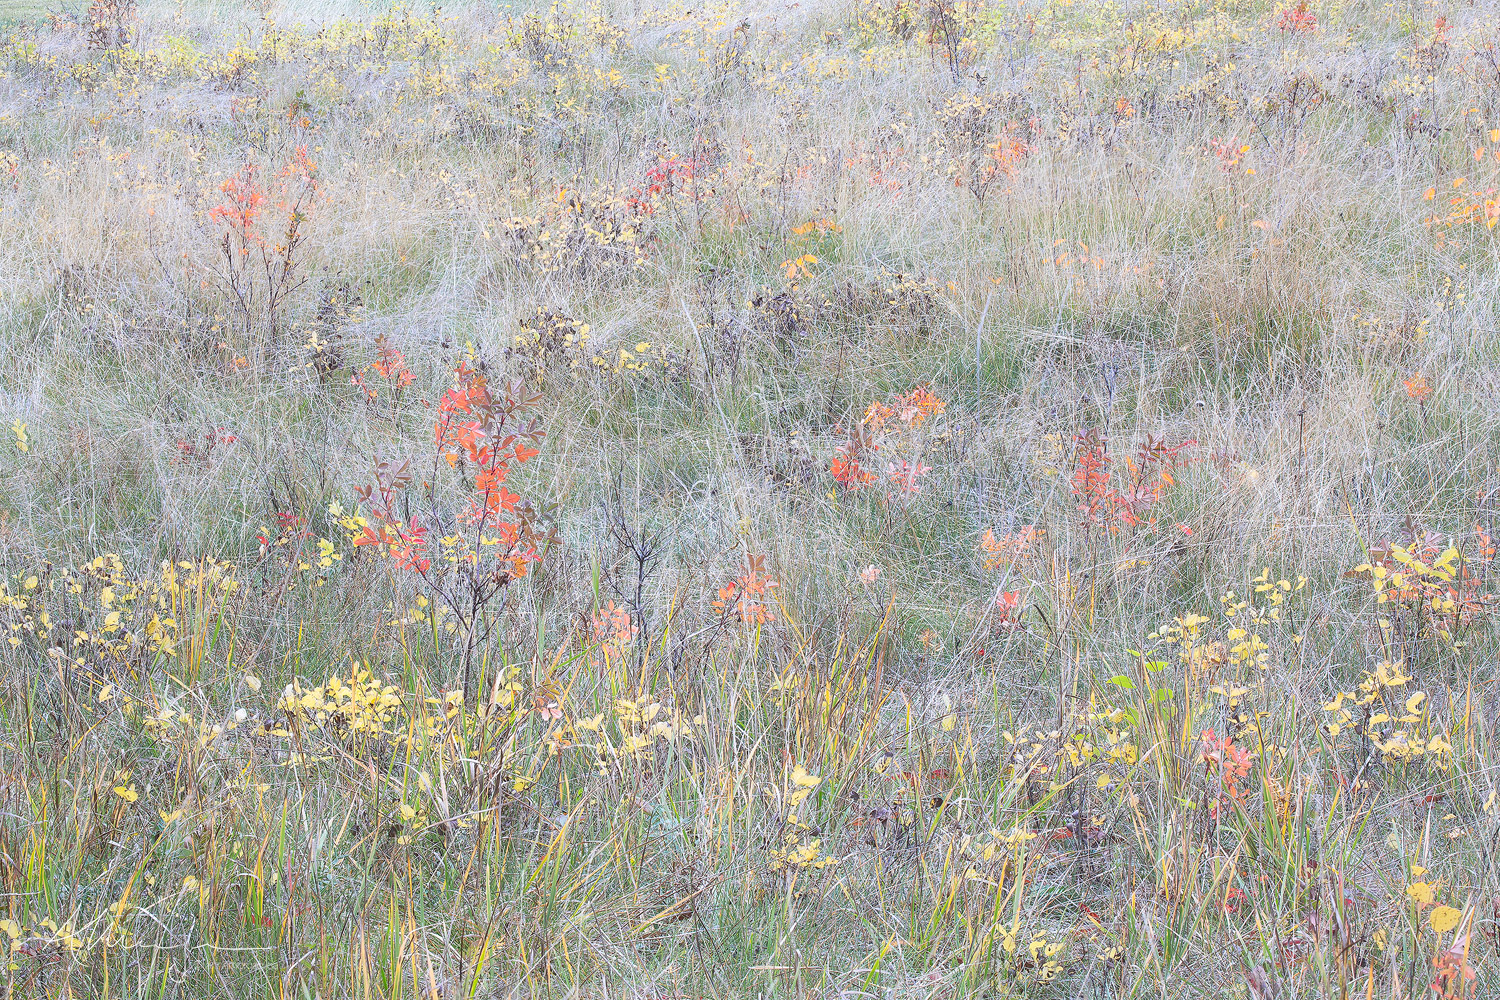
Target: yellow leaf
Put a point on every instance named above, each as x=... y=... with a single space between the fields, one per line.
x=802 y=779
x=128 y=794
x=1444 y=918
x=1422 y=892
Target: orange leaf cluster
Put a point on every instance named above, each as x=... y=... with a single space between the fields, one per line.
x=390 y=366
x=1472 y=204
x=744 y=596
x=1229 y=762
x=613 y=629
x=1148 y=477
x=474 y=427
x=247 y=197
x=1009 y=547
x=1008 y=609
x=905 y=415
x=1298 y=20
x=1417 y=387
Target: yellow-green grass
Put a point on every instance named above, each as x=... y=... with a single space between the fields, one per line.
x=972 y=742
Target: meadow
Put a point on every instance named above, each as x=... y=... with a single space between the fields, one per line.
x=832 y=499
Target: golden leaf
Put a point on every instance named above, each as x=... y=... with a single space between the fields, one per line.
x=1444 y=918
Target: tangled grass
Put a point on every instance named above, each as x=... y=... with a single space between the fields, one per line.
x=890 y=498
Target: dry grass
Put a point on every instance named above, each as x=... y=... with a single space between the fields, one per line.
x=933 y=760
